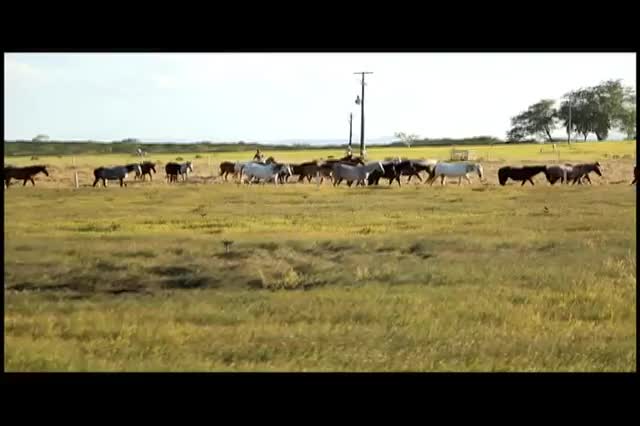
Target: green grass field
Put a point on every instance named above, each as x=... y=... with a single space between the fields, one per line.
x=418 y=278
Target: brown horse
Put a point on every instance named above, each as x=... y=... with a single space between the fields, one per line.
x=582 y=171
x=24 y=173
x=635 y=175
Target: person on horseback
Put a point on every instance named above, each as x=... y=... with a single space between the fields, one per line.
x=258 y=157
x=349 y=152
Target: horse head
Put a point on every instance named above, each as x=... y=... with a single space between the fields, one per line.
x=270 y=160
x=478 y=168
x=190 y=166
x=43 y=169
x=152 y=166
x=596 y=168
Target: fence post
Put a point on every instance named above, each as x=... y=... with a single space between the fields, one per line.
x=75 y=179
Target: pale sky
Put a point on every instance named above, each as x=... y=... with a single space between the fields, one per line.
x=286 y=96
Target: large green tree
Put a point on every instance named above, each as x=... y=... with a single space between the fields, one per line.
x=598 y=109
x=538 y=120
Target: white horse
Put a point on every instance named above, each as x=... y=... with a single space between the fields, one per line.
x=185 y=168
x=237 y=167
x=258 y=171
x=459 y=170
x=354 y=173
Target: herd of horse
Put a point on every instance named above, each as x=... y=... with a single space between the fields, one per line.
x=349 y=169
x=354 y=169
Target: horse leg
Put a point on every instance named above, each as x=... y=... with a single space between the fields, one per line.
x=467 y=178
x=7 y=180
x=523 y=182
x=532 y=184
x=32 y=182
x=416 y=175
x=587 y=178
x=25 y=182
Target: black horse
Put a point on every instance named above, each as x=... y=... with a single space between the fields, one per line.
x=523 y=174
x=390 y=172
x=174 y=169
x=23 y=173
x=395 y=169
x=635 y=175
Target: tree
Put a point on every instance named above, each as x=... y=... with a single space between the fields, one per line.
x=583 y=109
x=40 y=138
x=538 y=119
x=406 y=139
x=628 y=122
x=599 y=108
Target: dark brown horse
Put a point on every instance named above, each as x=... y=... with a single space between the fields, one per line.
x=174 y=169
x=23 y=173
x=523 y=174
x=146 y=168
x=227 y=168
x=635 y=175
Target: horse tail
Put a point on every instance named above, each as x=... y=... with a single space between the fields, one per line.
x=431 y=171
x=503 y=175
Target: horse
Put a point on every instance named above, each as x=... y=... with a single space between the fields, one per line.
x=305 y=170
x=556 y=172
x=114 y=173
x=226 y=168
x=284 y=173
x=352 y=173
x=24 y=173
x=635 y=175
x=423 y=166
x=524 y=173
x=146 y=168
x=459 y=170
x=263 y=171
x=582 y=171
x=390 y=172
x=325 y=169
x=409 y=168
x=175 y=169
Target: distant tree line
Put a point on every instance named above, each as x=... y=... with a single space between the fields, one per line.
x=597 y=110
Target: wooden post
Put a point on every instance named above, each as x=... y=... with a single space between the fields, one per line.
x=75 y=179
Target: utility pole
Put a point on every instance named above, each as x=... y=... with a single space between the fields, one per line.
x=350 y=129
x=569 y=130
x=361 y=102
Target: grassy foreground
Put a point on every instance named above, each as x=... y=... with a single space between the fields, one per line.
x=475 y=278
